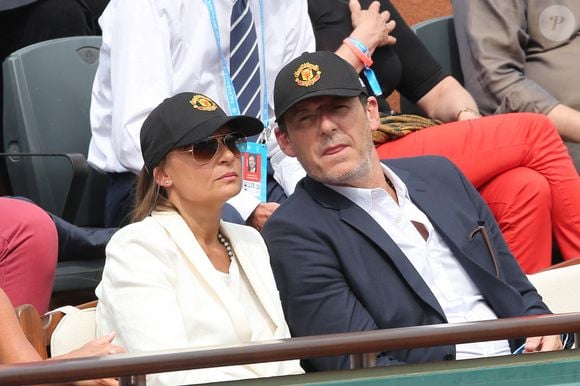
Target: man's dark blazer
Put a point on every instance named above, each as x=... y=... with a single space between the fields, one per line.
x=337 y=270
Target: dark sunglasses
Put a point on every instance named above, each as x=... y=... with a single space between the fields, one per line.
x=205 y=150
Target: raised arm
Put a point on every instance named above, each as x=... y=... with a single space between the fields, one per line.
x=371 y=26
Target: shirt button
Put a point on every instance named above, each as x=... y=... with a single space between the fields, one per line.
x=398 y=219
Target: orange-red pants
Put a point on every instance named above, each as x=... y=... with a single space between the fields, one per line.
x=28 y=253
x=522 y=169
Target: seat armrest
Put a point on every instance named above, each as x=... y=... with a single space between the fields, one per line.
x=80 y=173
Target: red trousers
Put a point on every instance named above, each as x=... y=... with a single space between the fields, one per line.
x=28 y=253
x=522 y=169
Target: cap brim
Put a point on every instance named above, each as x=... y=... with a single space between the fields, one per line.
x=248 y=126
x=341 y=92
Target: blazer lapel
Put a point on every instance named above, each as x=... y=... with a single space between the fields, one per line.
x=430 y=203
x=244 y=252
x=362 y=222
x=454 y=232
x=200 y=266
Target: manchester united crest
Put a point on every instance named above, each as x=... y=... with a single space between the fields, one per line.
x=203 y=103
x=307 y=74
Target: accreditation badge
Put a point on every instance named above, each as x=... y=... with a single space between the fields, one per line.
x=254 y=169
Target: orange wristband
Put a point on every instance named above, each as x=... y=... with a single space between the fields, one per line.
x=367 y=61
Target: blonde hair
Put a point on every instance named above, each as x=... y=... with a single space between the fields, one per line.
x=149 y=196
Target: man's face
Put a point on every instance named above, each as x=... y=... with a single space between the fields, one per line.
x=331 y=137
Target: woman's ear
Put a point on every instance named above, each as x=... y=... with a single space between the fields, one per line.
x=161 y=177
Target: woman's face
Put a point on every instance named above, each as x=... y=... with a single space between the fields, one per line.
x=189 y=182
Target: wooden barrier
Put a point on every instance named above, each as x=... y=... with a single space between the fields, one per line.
x=131 y=368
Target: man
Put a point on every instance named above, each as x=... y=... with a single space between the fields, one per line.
x=363 y=245
x=525 y=150
x=521 y=55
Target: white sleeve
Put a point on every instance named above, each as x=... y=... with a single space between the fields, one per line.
x=245 y=203
x=141 y=73
x=287 y=170
x=300 y=38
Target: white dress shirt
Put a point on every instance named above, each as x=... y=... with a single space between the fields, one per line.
x=158 y=48
x=456 y=293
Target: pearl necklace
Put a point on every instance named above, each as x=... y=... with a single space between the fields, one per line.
x=226 y=245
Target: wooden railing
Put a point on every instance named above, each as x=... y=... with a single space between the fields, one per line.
x=131 y=368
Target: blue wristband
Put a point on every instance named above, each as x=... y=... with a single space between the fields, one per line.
x=369 y=73
x=359 y=45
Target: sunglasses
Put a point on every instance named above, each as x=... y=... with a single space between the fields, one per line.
x=205 y=150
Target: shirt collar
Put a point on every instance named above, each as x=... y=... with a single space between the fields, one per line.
x=363 y=196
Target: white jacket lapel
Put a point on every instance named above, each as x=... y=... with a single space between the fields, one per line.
x=248 y=252
x=202 y=269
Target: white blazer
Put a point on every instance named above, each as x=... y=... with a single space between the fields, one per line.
x=154 y=300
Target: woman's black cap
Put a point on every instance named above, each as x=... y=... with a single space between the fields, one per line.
x=186 y=118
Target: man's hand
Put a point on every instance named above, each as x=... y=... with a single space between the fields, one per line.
x=371 y=26
x=543 y=343
x=261 y=214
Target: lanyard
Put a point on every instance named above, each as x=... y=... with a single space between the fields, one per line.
x=230 y=90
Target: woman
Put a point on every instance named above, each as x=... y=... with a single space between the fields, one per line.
x=15 y=348
x=178 y=277
x=517 y=161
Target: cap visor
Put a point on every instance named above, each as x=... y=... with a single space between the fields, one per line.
x=341 y=92
x=248 y=126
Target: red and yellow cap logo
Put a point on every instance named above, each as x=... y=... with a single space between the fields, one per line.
x=307 y=74
x=203 y=103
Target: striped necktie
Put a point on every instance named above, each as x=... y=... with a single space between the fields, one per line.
x=244 y=59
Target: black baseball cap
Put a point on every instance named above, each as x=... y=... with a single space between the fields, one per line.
x=315 y=74
x=186 y=118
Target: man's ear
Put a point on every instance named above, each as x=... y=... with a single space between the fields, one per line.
x=372 y=111
x=284 y=142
